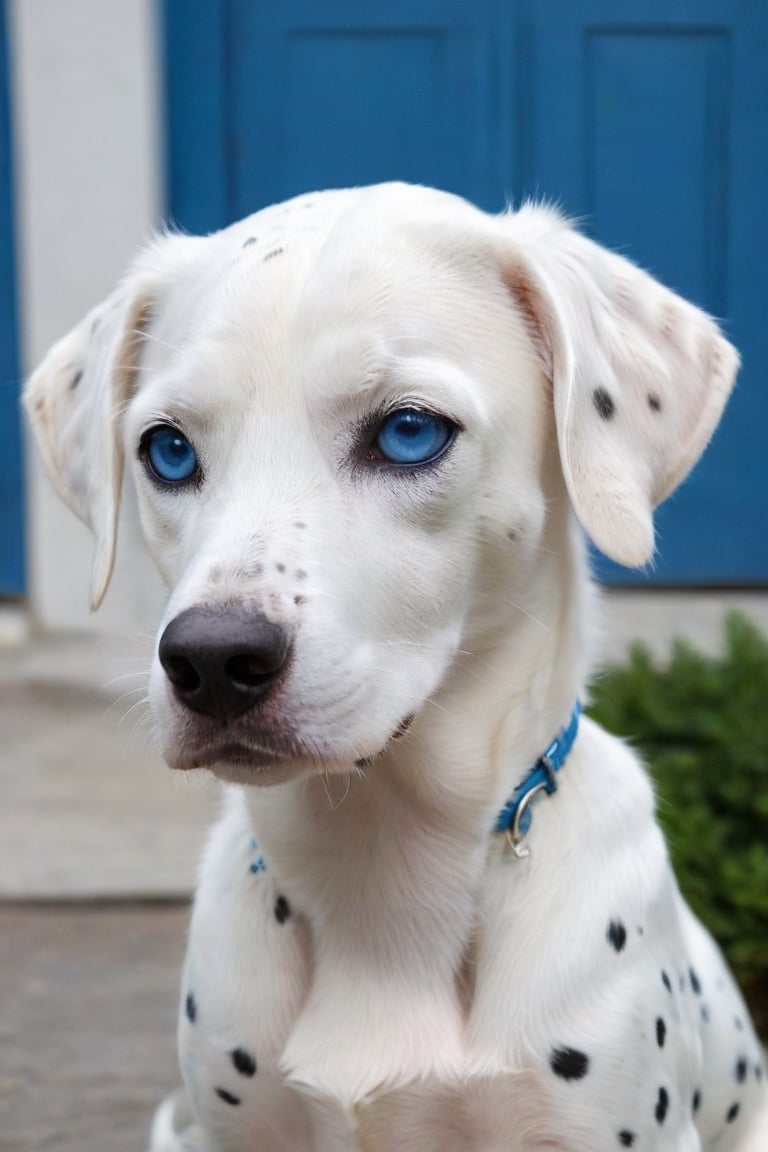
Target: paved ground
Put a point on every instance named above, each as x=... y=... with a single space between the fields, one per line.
x=88 y=990
x=87 y=1023
x=86 y=809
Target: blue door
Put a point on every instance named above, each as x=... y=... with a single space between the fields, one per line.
x=270 y=98
x=647 y=121
x=11 y=503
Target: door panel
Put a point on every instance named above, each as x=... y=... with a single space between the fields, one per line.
x=340 y=93
x=648 y=121
x=632 y=83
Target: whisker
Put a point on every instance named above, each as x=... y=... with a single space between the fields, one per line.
x=145 y=334
x=138 y=704
x=125 y=696
x=525 y=612
x=124 y=676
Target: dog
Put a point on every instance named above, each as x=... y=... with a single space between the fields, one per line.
x=369 y=430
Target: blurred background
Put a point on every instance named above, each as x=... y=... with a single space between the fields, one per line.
x=646 y=119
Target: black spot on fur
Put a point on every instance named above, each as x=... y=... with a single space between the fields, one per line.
x=695 y=983
x=568 y=1063
x=603 y=402
x=661 y=1032
x=299 y=524
x=732 y=1113
x=227 y=1097
x=282 y=910
x=654 y=403
x=271 y=255
x=251 y=240
x=662 y=1106
x=705 y=1013
x=740 y=1071
x=626 y=1139
x=738 y=1023
x=243 y=1062
x=75 y=380
x=696 y=1102
x=190 y=1007
x=758 y=1071
x=616 y=935
x=666 y=982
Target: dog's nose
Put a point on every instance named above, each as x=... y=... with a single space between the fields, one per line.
x=221 y=663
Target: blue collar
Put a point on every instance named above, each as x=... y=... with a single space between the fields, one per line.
x=516 y=816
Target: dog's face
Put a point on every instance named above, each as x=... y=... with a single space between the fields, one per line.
x=340 y=418
x=346 y=468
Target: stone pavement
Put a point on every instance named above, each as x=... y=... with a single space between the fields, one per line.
x=87 y=1024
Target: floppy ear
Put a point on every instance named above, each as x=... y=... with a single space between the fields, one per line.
x=75 y=401
x=640 y=377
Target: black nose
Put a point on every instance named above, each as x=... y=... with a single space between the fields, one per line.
x=223 y=662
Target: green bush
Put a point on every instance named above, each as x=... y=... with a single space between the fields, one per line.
x=701 y=724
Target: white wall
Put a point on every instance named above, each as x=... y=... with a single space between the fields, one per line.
x=86 y=108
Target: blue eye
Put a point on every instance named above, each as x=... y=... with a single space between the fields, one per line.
x=170 y=455
x=411 y=436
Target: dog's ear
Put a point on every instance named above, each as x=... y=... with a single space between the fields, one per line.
x=639 y=376
x=75 y=401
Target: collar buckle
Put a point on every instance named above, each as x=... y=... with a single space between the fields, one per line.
x=521 y=825
x=551 y=771
x=516 y=817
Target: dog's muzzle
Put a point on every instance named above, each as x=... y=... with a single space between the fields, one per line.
x=222 y=662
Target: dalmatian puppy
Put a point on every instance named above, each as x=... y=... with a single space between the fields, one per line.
x=366 y=429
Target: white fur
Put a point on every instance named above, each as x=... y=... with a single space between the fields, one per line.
x=415 y=996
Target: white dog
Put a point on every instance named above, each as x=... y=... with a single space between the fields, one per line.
x=441 y=916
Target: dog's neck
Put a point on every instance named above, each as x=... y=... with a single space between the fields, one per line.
x=386 y=866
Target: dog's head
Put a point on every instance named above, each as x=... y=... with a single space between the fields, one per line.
x=349 y=418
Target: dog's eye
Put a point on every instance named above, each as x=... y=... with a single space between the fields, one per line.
x=169 y=455
x=412 y=436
